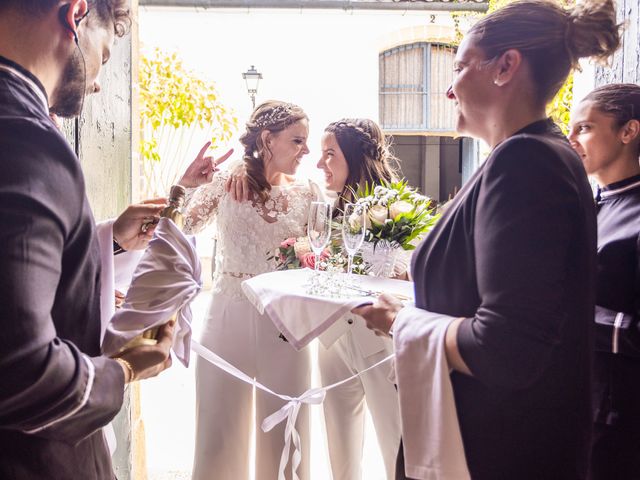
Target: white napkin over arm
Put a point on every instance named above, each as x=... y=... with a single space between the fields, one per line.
x=431 y=437
x=166 y=280
x=115 y=273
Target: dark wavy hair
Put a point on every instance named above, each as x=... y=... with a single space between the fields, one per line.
x=367 y=152
x=116 y=12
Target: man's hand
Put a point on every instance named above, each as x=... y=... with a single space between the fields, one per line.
x=127 y=229
x=119 y=299
x=201 y=170
x=380 y=315
x=149 y=360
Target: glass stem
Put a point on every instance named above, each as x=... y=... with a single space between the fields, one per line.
x=317 y=262
x=350 y=264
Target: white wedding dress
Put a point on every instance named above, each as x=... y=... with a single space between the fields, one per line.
x=246 y=232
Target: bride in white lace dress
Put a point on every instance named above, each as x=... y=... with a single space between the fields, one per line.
x=275 y=142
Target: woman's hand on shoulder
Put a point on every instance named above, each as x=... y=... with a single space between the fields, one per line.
x=237 y=184
x=201 y=170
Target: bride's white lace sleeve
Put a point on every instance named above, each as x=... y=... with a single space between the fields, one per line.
x=202 y=204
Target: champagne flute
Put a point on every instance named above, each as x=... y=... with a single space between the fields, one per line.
x=353 y=230
x=319 y=228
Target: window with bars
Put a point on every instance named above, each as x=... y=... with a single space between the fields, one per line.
x=413 y=84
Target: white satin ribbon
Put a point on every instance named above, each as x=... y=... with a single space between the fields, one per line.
x=313 y=396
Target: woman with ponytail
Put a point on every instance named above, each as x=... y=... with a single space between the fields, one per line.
x=275 y=141
x=506 y=279
x=605 y=132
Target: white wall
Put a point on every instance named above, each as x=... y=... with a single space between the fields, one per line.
x=584 y=81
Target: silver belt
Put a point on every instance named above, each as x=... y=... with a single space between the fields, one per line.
x=239 y=274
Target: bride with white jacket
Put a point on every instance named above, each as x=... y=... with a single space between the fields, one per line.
x=354 y=151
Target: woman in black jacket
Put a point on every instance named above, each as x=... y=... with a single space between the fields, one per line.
x=512 y=260
x=605 y=132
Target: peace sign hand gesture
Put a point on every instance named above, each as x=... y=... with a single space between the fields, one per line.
x=201 y=170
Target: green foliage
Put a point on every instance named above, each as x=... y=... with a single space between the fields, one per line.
x=285 y=257
x=172 y=95
x=497 y=4
x=560 y=107
x=149 y=150
x=174 y=103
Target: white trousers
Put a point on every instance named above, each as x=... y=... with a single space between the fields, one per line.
x=224 y=404
x=344 y=407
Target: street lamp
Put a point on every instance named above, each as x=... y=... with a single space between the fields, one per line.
x=252 y=77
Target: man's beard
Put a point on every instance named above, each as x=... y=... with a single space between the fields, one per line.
x=69 y=94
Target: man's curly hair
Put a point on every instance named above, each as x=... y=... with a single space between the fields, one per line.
x=113 y=11
x=116 y=12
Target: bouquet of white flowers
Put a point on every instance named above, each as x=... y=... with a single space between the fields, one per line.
x=397 y=217
x=396 y=214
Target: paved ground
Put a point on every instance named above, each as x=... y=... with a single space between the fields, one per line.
x=167 y=406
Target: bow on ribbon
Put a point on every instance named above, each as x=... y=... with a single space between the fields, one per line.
x=313 y=396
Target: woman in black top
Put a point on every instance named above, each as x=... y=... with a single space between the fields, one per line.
x=605 y=132
x=512 y=259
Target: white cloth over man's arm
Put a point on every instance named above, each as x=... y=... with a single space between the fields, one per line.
x=166 y=280
x=116 y=271
x=431 y=437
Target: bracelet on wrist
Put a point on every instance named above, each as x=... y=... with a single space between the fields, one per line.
x=117 y=249
x=128 y=367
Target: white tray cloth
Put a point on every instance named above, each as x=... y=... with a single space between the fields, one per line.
x=302 y=317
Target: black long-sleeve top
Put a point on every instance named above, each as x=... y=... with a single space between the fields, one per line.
x=515 y=255
x=56 y=391
x=617 y=376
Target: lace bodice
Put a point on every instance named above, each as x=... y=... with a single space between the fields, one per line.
x=246 y=232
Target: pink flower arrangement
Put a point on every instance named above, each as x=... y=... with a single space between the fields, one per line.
x=296 y=253
x=289 y=242
x=308 y=260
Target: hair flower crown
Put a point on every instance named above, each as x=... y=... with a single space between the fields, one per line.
x=280 y=114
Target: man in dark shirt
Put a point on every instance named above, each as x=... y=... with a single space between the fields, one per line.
x=56 y=390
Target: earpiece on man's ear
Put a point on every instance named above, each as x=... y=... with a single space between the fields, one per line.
x=62 y=15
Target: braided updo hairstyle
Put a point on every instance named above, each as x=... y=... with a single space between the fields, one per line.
x=273 y=116
x=367 y=153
